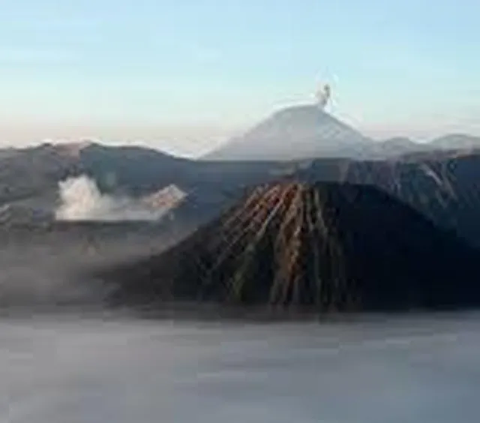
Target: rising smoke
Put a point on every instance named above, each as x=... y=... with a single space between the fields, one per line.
x=81 y=200
x=323 y=96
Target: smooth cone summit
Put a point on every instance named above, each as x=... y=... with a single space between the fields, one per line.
x=334 y=247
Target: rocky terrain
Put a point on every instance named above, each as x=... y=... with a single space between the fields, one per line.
x=332 y=247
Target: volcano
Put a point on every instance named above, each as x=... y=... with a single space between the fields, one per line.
x=326 y=246
x=295 y=133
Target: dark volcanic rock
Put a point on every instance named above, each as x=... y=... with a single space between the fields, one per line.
x=328 y=246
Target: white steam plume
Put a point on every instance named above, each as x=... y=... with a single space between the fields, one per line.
x=81 y=200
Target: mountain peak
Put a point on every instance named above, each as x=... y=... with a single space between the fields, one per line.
x=297 y=132
x=330 y=246
x=304 y=109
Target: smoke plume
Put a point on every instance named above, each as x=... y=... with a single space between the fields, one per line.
x=81 y=200
x=323 y=96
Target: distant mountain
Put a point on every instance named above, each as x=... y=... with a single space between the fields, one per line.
x=441 y=184
x=132 y=170
x=307 y=132
x=395 y=148
x=35 y=171
x=456 y=142
x=29 y=178
x=333 y=247
x=303 y=132
x=398 y=148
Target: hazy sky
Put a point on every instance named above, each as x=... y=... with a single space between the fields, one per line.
x=188 y=73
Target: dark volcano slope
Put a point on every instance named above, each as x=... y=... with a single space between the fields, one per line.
x=333 y=247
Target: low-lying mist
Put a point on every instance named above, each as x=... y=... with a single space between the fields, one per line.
x=44 y=264
x=50 y=266
x=61 y=369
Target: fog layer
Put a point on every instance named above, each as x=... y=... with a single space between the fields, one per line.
x=405 y=370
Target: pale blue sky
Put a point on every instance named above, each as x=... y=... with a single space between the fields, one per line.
x=185 y=74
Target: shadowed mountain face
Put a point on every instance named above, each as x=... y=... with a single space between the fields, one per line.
x=32 y=175
x=29 y=178
x=440 y=184
x=295 y=133
x=36 y=171
x=326 y=246
x=445 y=189
x=133 y=170
x=33 y=171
